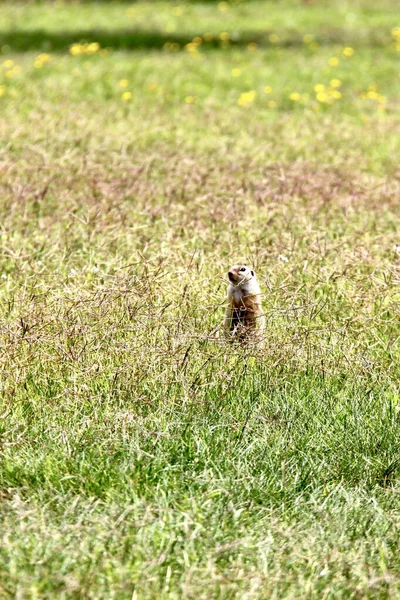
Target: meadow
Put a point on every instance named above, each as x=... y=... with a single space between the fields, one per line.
x=146 y=147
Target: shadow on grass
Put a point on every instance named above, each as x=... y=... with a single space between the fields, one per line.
x=173 y=2
x=134 y=39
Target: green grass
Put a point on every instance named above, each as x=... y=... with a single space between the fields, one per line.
x=142 y=456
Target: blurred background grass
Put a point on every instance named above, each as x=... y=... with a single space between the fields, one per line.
x=146 y=147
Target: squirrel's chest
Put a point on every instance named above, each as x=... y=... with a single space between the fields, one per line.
x=238 y=298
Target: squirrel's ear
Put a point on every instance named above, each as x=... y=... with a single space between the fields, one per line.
x=252 y=273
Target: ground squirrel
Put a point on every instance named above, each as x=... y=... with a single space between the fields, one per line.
x=244 y=315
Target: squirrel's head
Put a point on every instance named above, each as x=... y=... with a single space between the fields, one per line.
x=240 y=274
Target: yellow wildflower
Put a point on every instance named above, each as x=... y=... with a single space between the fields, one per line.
x=246 y=98
x=191 y=48
x=92 y=48
x=190 y=99
x=127 y=96
x=336 y=94
x=76 y=49
x=267 y=89
x=123 y=83
x=322 y=97
x=319 y=88
x=295 y=96
x=252 y=46
x=44 y=58
x=224 y=36
x=236 y=72
x=348 y=51
x=335 y=83
x=272 y=104
x=8 y=64
x=333 y=61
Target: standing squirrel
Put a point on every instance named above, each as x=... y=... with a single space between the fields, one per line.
x=244 y=315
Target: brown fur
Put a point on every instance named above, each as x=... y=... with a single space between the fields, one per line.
x=244 y=314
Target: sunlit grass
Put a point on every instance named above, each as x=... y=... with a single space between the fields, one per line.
x=147 y=147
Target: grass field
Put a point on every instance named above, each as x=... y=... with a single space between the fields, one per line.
x=146 y=147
